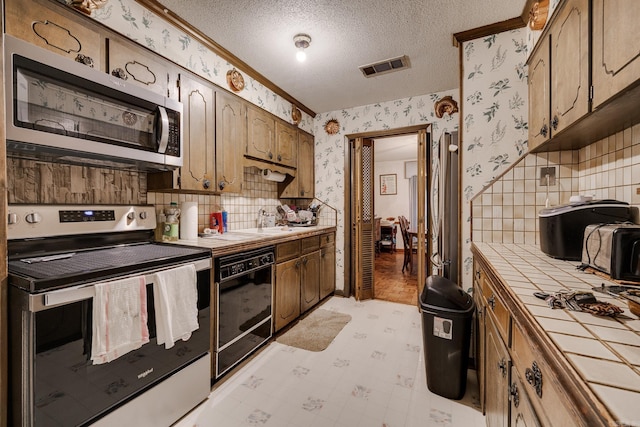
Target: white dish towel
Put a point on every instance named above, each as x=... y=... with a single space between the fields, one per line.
x=175 y=296
x=119 y=318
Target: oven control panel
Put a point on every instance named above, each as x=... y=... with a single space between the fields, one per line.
x=34 y=221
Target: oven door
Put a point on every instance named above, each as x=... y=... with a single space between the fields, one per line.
x=50 y=360
x=244 y=316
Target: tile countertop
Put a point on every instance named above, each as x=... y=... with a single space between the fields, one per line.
x=604 y=351
x=247 y=239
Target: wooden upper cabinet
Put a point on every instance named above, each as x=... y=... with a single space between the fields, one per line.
x=616 y=47
x=303 y=184
x=140 y=67
x=286 y=145
x=231 y=140
x=305 y=174
x=56 y=28
x=570 y=64
x=261 y=134
x=198 y=134
x=539 y=102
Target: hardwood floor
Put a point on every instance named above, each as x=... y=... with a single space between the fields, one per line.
x=391 y=284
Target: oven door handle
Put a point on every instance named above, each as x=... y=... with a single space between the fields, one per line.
x=82 y=292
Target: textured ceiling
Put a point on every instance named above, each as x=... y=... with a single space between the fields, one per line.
x=346 y=35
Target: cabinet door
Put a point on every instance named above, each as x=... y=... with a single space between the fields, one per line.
x=54 y=27
x=287 y=298
x=305 y=174
x=480 y=341
x=198 y=146
x=141 y=67
x=497 y=366
x=261 y=134
x=570 y=64
x=286 y=145
x=231 y=139
x=327 y=270
x=522 y=413
x=539 y=92
x=616 y=47
x=310 y=281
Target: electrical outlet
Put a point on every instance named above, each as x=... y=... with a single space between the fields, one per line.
x=551 y=172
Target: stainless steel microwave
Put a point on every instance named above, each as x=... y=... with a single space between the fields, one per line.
x=61 y=110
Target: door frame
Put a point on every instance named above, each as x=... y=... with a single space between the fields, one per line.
x=349 y=186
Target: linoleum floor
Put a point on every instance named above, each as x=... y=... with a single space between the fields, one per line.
x=371 y=375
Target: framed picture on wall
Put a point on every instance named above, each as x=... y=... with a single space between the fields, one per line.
x=388 y=184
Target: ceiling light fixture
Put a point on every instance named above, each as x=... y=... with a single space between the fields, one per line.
x=302 y=41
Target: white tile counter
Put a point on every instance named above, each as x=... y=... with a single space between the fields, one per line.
x=604 y=351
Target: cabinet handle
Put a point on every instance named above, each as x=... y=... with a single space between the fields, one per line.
x=515 y=396
x=304 y=261
x=279 y=157
x=85 y=60
x=502 y=365
x=479 y=311
x=544 y=130
x=270 y=155
x=478 y=274
x=492 y=302
x=297 y=264
x=554 y=122
x=221 y=185
x=534 y=378
x=119 y=73
x=206 y=184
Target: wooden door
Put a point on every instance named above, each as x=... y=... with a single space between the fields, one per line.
x=363 y=239
x=327 y=270
x=521 y=410
x=539 y=92
x=55 y=28
x=497 y=366
x=261 y=134
x=287 y=298
x=615 y=47
x=197 y=172
x=134 y=64
x=231 y=140
x=286 y=145
x=305 y=174
x=570 y=65
x=310 y=281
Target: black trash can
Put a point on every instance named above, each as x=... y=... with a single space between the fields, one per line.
x=447 y=312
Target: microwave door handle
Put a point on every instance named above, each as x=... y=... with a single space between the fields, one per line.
x=163 y=134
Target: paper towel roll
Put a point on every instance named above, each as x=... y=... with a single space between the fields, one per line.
x=269 y=175
x=189 y=220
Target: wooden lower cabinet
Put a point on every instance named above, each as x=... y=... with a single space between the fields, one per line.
x=305 y=274
x=287 y=293
x=327 y=270
x=522 y=413
x=310 y=280
x=497 y=367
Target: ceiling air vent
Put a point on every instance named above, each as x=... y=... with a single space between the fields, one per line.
x=386 y=66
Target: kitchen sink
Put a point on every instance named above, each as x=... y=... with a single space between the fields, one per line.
x=268 y=230
x=232 y=236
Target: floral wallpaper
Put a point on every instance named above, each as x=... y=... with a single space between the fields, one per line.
x=330 y=149
x=495 y=115
x=132 y=20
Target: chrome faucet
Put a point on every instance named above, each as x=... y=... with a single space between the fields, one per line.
x=261 y=213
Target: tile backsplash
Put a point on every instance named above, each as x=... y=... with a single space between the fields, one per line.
x=507 y=210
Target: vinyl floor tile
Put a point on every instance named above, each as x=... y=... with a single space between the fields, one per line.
x=372 y=374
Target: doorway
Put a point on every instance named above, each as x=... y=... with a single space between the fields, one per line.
x=360 y=210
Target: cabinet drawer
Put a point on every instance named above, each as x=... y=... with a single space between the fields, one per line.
x=327 y=239
x=497 y=310
x=548 y=397
x=287 y=250
x=310 y=244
